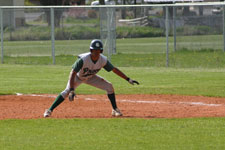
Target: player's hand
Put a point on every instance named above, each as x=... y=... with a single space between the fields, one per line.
x=71 y=95
x=132 y=81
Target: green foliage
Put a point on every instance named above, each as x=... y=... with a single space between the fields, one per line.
x=197 y=30
x=78 y=31
x=92 y=14
x=28 y=33
x=28 y=3
x=44 y=33
x=71 y=20
x=134 y=32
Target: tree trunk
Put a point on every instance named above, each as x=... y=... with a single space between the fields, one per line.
x=58 y=13
x=102 y=2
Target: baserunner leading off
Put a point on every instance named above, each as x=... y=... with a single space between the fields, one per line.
x=85 y=70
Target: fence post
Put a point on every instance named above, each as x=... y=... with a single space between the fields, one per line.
x=223 y=28
x=2 y=51
x=167 y=37
x=108 y=33
x=111 y=36
x=53 y=34
x=174 y=29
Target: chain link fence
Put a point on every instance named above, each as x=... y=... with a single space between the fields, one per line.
x=176 y=35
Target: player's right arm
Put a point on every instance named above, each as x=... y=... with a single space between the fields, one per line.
x=75 y=69
x=72 y=78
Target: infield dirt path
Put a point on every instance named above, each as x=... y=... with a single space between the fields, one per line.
x=98 y=106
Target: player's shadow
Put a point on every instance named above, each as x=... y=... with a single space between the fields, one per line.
x=149 y=117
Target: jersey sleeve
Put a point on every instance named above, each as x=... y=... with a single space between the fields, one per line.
x=77 y=65
x=108 y=67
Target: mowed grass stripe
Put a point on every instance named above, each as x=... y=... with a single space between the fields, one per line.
x=53 y=79
x=112 y=134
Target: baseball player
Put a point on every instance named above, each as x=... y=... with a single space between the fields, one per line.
x=84 y=70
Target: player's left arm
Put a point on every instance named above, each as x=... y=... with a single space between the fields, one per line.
x=122 y=75
x=109 y=67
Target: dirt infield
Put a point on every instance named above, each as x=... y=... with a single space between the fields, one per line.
x=98 y=106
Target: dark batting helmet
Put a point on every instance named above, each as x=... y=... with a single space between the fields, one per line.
x=96 y=45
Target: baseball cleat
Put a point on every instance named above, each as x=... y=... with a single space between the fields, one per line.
x=47 y=113
x=116 y=112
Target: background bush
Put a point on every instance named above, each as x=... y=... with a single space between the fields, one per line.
x=91 y=31
x=134 y=32
x=197 y=30
x=76 y=32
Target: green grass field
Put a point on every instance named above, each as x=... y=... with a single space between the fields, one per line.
x=113 y=134
x=124 y=46
x=53 y=79
x=190 y=73
x=99 y=134
x=181 y=59
x=192 y=52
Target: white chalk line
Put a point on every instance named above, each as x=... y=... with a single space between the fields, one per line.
x=35 y=95
x=164 y=102
x=133 y=101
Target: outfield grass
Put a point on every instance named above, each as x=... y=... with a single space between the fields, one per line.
x=113 y=134
x=180 y=59
x=124 y=46
x=192 y=52
x=53 y=79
